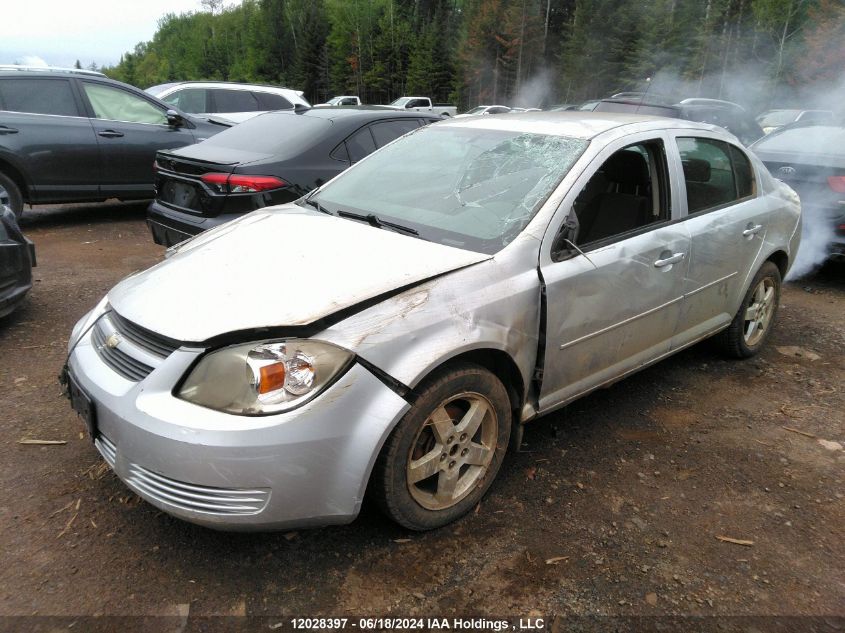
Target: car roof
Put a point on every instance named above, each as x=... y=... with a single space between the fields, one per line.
x=214 y=84
x=575 y=123
x=363 y=112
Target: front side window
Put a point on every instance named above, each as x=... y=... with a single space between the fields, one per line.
x=191 y=100
x=38 y=96
x=114 y=104
x=629 y=191
x=270 y=101
x=708 y=173
x=234 y=101
x=469 y=188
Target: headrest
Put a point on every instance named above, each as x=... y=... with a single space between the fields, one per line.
x=696 y=169
x=627 y=168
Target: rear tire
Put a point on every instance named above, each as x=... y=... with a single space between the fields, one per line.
x=755 y=318
x=10 y=195
x=443 y=455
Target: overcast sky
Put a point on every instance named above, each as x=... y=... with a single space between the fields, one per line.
x=62 y=31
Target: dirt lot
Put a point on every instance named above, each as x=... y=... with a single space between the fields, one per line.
x=615 y=506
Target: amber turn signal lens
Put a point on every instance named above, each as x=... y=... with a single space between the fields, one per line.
x=272 y=377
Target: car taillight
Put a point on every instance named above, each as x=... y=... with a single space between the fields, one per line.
x=242 y=183
x=837 y=183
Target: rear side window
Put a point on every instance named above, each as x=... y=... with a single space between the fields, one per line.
x=38 y=96
x=360 y=144
x=386 y=131
x=114 y=104
x=234 y=101
x=191 y=100
x=708 y=173
x=743 y=172
x=269 y=101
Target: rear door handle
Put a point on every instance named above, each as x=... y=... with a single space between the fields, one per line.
x=110 y=134
x=674 y=259
x=7 y=130
x=752 y=230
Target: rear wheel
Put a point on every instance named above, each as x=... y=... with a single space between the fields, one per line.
x=752 y=323
x=444 y=454
x=10 y=195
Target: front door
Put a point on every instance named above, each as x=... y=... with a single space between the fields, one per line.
x=130 y=130
x=613 y=303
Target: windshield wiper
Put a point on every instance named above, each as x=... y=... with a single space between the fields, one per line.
x=373 y=220
x=317 y=205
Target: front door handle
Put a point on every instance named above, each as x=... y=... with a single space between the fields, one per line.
x=752 y=230
x=110 y=134
x=7 y=130
x=668 y=261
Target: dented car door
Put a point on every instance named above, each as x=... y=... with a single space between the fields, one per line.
x=613 y=292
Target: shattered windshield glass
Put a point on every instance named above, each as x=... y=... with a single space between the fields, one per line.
x=465 y=187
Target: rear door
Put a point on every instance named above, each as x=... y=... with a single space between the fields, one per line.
x=130 y=130
x=44 y=132
x=727 y=222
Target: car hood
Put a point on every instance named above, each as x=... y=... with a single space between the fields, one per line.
x=282 y=266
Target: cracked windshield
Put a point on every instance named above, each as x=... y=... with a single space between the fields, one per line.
x=470 y=188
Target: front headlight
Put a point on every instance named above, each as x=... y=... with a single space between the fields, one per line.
x=263 y=378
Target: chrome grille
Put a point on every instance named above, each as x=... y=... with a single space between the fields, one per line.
x=194 y=498
x=106 y=448
x=144 y=338
x=128 y=367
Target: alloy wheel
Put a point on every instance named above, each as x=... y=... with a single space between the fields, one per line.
x=758 y=313
x=452 y=451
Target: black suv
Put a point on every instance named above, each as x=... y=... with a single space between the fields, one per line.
x=77 y=136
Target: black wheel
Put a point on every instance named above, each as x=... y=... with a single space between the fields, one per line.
x=750 y=328
x=444 y=454
x=10 y=195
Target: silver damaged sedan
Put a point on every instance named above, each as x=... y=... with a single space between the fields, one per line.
x=391 y=332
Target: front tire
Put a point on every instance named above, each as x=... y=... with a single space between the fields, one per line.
x=443 y=455
x=755 y=318
x=10 y=195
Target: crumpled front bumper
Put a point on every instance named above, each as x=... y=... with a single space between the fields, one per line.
x=309 y=466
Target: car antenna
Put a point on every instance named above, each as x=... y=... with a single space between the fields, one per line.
x=644 y=95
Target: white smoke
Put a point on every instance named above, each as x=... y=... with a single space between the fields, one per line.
x=535 y=92
x=816 y=234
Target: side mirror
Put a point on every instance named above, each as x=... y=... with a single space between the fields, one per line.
x=174 y=119
x=409 y=105
x=564 y=245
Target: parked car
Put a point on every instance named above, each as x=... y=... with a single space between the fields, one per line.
x=485 y=109
x=392 y=331
x=232 y=101
x=274 y=158
x=343 y=100
x=772 y=120
x=423 y=104
x=17 y=258
x=81 y=137
x=726 y=114
x=811 y=159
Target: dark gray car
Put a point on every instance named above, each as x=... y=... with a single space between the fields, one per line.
x=17 y=257
x=81 y=137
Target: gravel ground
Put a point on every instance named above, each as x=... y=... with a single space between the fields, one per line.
x=617 y=505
